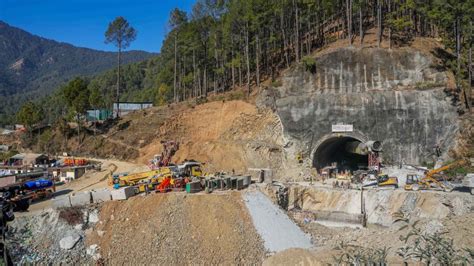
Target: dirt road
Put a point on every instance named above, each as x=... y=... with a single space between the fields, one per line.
x=91 y=180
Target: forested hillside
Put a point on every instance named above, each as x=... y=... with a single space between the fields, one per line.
x=224 y=44
x=32 y=67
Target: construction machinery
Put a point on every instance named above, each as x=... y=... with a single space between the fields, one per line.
x=170 y=183
x=150 y=177
x=381 y=181
x=415 y=182
x=164 y=159
x=189 y=169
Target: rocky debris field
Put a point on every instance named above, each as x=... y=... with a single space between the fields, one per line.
x=177 y=228
x=327 y=240
x=52 y=236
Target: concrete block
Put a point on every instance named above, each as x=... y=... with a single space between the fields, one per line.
x=123 y=193
x=61 y=202
x=80 y=199
x=247 y=181
x=233 y=182
x=227 y=183
x=220 y=183
x=193 y=187
x=101 y=195
x=240 y=183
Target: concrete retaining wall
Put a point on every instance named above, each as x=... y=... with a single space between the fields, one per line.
x=382 y=206
x=94 y=196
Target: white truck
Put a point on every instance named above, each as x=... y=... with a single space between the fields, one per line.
x=468 y=182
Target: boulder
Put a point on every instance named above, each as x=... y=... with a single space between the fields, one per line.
x=69 y=241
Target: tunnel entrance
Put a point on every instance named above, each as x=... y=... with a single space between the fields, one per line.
x=339 y=152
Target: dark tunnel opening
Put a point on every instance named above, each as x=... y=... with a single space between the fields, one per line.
x=337 y=150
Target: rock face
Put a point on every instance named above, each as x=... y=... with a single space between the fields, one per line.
x=395 y=96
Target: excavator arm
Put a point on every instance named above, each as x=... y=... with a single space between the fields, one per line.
x=444 y=168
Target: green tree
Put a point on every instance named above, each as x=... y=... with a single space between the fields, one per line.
x=30 y=114
x=121 y=34
x=76 y=95
x=161 y=95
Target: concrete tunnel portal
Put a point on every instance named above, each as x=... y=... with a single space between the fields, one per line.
x=341 y=150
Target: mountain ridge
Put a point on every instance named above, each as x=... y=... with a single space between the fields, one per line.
x=33 y=66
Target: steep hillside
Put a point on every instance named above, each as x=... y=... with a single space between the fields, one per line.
x=32 y=66
x=402 y=97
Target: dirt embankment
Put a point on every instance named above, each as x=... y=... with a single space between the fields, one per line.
x=224 y=135
x=175 y=228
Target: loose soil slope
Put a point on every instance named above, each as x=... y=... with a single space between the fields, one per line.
x=176 y=228
x=224 y=135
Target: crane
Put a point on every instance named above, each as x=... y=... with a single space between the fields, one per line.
x=414 y=182
x=164 y=159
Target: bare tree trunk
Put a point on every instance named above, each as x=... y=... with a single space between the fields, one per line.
x=361 y=23
x=390 y=28
x=205 y=81
x=118 y=80
x=257 y=56
x=297 y=34
x=469 y=93
x=216 y=57
x=247 y=55
x=240 y=73
x=285 y=42
x=349 y=20
x=175 y=67
x=379 y=23
x=194 y=74
x=232 y=62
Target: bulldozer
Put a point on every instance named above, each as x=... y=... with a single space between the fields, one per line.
x=415 y=182
x=382 y=181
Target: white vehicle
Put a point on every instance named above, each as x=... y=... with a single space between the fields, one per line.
x=468 y=182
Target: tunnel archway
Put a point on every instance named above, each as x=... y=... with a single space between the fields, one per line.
x=336 y=149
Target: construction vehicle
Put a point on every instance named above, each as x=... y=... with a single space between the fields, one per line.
x=382 y=181
x=415 y=182
x=170 y=183
x=164 y=159
x=189 y=169
x=153 y=177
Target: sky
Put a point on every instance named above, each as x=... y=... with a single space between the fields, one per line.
x=83 y=22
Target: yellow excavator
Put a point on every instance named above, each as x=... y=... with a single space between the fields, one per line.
x=415 y=182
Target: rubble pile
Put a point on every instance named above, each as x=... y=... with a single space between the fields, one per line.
x=48 y=238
